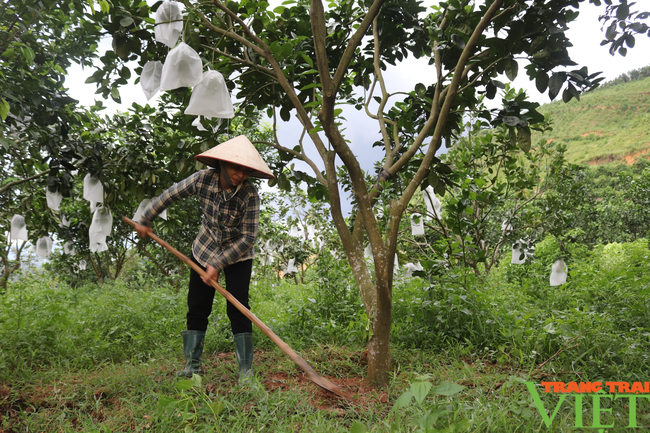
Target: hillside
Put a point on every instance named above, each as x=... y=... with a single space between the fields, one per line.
x=608 y=125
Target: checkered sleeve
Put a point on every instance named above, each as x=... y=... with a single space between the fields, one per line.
x=178 y=191
x=242 y=245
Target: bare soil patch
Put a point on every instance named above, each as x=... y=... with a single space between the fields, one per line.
x=627 y=158
x=288 y=378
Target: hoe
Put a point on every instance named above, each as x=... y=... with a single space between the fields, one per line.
x=313 y=376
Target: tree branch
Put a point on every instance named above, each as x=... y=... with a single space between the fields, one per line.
x=384 y=98
x=260 y=68
x=355 y=40
x=18 y=182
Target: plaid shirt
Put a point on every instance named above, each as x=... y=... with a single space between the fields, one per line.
x=230 y=217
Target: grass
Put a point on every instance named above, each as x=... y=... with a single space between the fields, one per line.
x=607 y=125
x=103 y=359
x=124 y=397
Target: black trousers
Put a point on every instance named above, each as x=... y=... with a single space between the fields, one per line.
x=201 y=296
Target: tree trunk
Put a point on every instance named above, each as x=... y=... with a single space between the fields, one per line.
x=9 y=269
x=379 y=359
x=97 y=267
x=6 y=273
x=3 y=281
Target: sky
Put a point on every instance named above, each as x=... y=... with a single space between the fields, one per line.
x=585 y=34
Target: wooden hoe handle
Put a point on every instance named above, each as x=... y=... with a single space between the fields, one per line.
x=313 y=376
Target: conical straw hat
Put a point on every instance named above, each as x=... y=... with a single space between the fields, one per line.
x=238 y=150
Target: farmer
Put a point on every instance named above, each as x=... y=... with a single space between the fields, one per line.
x=231 y=210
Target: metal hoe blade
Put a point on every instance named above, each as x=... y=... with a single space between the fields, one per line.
x=311 y=374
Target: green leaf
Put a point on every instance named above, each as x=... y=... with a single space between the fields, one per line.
x=440 y=189
x=306 y=58
x=165 y=403
x=216 y=407
x=358 y=427
x=611 y=32
x=403 y=401
x=524 y=138
x=115 y=94
x=285 y=114
x=447 y=388
x=622 y=12
x=420 y=390
x=6 y=144
x=443 y=168
x=196 y=379
x=498 y=84
x=463 y=425
x=275 y=47
x=121 y=47
x=287 y=50
x=309 y=86
x=184 y=385
x=9 y=53
x=4 y=109
x=512 y=69
x=555 y=84
x=433 y=179
x=105 y=6
x=513 y=136
x=28 y=54
x=126 y=21
x=125 y=73
x=574 y=91
x=537 y=43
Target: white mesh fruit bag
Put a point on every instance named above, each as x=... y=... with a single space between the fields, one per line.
x=558 y=273
x=210 y=98
x=53 y=199
x=417 y=225
x=44 y=247
x=68 y=248
x=97 y=242
x=102 y=222
x=18 y=228
x=169 y=24
x=93 y=189
x=182 y=68
x=518 y=255
x=433 y=204
x=150 y=78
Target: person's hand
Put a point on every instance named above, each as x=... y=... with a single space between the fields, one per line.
x=143 y=231
x=210 y=274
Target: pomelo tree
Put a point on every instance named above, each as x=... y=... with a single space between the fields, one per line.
x=306 y=59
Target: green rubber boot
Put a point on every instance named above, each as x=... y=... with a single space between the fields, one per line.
x=244 y=351
x=193 y=348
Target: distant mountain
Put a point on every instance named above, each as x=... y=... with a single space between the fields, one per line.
x=610 y=125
